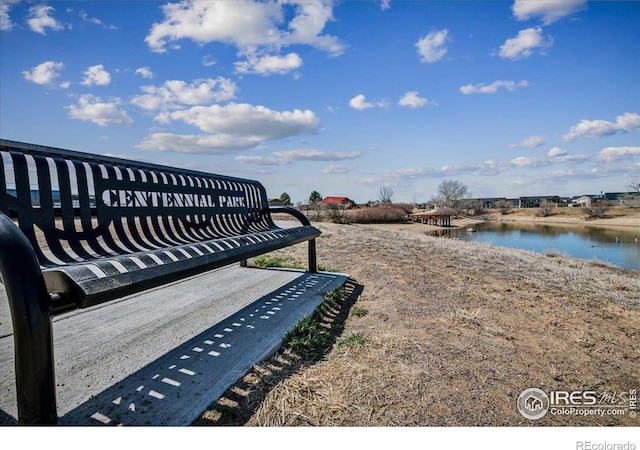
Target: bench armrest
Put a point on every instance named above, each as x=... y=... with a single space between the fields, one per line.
x=313 y=260
x=291 y=211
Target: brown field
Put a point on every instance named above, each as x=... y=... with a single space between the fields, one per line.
x=453 y=332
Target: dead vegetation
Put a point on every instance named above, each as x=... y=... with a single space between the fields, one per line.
x=454 y=332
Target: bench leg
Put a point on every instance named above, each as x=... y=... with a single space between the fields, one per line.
x=313 y=262
x=30 y=306
x=243 y=263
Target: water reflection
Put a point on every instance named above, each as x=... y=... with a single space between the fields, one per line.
x=619 y=246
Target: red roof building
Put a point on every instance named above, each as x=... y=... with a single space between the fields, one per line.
x=335 y=200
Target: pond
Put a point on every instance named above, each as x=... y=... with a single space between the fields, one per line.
x=620 y=246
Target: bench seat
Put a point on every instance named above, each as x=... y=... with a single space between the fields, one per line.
x=90 y=282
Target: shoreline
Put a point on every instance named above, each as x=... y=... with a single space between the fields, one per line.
x=624 y=224
x=614 y=222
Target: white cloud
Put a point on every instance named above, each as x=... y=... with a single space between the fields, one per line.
x=94 y=20
x=39 y=19
x=526 y=162
x=5 y=20
x=285 y=157
x=556 y=152
x=316 y=155
x=307 y=25
x=209 y=61
x=92 y=109
x=359 y=102
x=530 y=142
x=248 y=25
x=208 y=144
x=525 y=43
x=262 y=160
x=231 y=128
x=599 y=128
x=413 y=100
x=548 y=10
x=269 y=64
x=489 y=167
x=243 y=24
x=96 y=76
x=337 y=168
x=566 y=158
x=610 y=154
x=431 y=48
x=144 y=72
x=177 y=93
x=493 y=87
x=45 y=74
x=241 y=119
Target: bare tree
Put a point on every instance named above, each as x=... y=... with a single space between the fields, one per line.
x=384 y=194
x=475 y=206
x=504 y=206
x=451 y=194
x=546 y=208
x=633 y=197
x=598 y=209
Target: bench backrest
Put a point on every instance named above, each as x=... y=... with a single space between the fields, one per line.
x=73 y=206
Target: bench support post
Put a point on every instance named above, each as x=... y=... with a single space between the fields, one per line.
x=30 y=307
x=313 y=261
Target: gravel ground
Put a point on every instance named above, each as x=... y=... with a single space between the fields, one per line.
x=454 y=332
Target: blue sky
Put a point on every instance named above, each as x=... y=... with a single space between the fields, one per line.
x=526 y=97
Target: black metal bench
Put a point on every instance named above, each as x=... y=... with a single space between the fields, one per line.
x=78 y=229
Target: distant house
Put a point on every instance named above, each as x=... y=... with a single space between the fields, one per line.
x=339 y=200
x=583 y=201
x=535 y=202
x=488 y=203
x=617 y=197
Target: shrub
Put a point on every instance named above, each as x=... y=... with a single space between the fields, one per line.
x=407 y=207
x=337 y=213
x=504 y=206
x=359 y=311
x=381 y=213
x=352 y=340
x=546 y=209
x=598 y=209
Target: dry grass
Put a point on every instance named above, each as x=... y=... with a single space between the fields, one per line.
x=455 y=331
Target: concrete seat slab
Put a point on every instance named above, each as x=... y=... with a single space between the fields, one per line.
x=161 y=357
